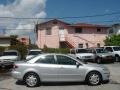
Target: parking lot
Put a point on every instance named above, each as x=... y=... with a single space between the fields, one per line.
x=8 y=83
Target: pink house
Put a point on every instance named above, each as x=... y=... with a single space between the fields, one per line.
x=56 y=34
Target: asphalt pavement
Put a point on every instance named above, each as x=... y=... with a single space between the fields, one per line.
x=8 y=83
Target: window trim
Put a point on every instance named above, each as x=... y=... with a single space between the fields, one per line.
x=48 y=29
x=46 y=63
x=68 y=57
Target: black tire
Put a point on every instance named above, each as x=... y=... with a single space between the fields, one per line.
x=94 y=75
x=31 y=79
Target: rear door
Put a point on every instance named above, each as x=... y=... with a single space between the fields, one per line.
x=48 y=69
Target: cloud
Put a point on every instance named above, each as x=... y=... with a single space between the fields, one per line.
x=21 y=8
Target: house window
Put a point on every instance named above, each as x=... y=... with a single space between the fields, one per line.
x=98 y=30
x=87 y=45
x=98 y=44
x=111 y=31
x=80 y=45
x=48 y=31
x=55 y=22
x=78 y=30
x=61 y=28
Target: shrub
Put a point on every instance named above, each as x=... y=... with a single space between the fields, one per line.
x=2 y=48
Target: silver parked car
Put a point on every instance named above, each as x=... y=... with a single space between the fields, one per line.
x=58 y=68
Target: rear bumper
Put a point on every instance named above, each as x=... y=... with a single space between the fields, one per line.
x=8 y=65
x=17 y=75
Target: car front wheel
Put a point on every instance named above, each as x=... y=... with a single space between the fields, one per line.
x=32 y=79
x=94 y=78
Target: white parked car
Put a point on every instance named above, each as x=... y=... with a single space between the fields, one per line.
x=33 y=52
x=8 y=58
x=82 y=54
x=10 y=55
x=115 y=50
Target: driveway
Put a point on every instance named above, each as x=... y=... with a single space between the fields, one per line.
x=8 y=83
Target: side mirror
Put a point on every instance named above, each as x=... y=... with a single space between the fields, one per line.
x=77 y=64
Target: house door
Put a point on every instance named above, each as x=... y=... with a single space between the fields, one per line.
x=62 y=35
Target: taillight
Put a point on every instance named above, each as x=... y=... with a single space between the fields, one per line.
x=15 y=66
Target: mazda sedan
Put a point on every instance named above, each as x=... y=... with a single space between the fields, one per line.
x=58 y=68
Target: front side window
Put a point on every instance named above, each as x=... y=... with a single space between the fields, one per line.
x=116 y=48
x=109 y=49
x=48 y=59
x=64 y=60
x=82 y=51
x=101 y=51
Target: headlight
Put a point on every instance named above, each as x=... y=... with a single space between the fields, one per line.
x=81 y=57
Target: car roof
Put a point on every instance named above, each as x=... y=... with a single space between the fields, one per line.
x=10 y=51
x=77 y=48
x=111 y=46
x=35 y=50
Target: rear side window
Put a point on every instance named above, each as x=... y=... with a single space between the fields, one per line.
x=48 y=59
x=64 y=60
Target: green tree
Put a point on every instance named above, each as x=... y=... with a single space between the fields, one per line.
x=112 y=40
x=14 y=40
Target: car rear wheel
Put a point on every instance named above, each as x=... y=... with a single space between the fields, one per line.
x=32 y=79
x=94 y=78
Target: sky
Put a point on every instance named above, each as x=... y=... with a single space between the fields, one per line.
x=64 y=8
x=54 y=9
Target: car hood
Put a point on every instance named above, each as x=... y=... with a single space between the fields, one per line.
x=29 y=56
x=8 y=57
x=84 y=54
x=104 y=54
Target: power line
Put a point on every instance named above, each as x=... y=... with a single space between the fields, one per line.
x=96 y=15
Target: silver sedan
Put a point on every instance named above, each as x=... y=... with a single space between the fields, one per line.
x=58 y=68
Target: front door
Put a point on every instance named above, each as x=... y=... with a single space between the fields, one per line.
x=48 y=69
x=68 y=70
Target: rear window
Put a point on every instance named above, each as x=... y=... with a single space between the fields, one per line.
x=9 y=53
x=34 y=52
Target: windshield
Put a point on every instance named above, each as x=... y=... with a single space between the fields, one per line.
x=9 y=54
x=101 y=50
x=116 y=48
x=34 y=52
x=82 y=51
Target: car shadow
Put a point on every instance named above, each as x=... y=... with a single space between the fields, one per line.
x=54 y=83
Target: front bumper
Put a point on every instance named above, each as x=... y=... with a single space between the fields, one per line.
x=107 y=59
x=106 y=75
